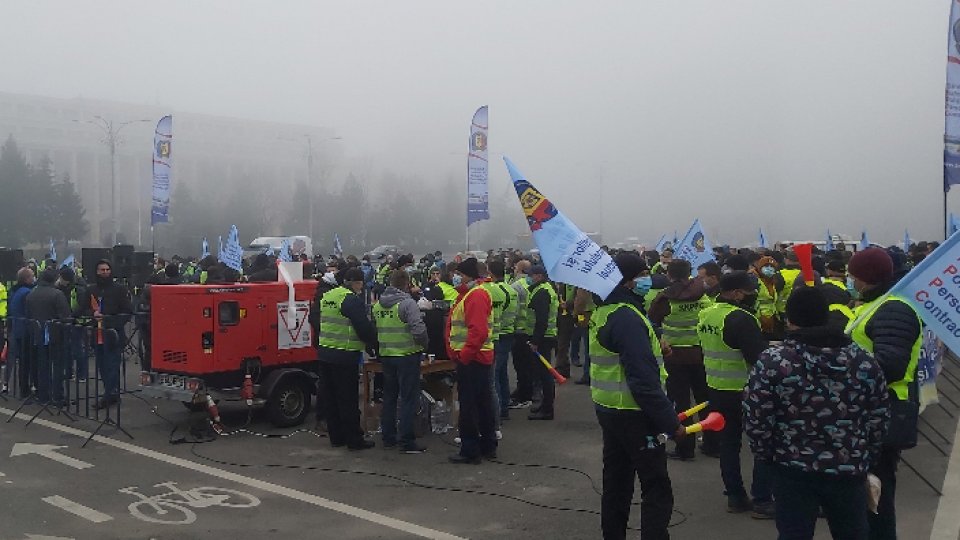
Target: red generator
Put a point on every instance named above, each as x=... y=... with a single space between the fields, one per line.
x=207 y=339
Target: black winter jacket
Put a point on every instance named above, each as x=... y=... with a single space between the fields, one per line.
x=894 y=328
x=626 y=334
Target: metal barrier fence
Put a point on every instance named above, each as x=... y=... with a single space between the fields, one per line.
x=48 y=365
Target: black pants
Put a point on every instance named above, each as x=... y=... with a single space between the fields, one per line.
x=681 y=381
x=522 y=364
x=800 y=495
x=883 y=524
x=341 y=398
x=729 y=403
x=476 y=424
x=625 y=455
x=564 y=334
x=542 y=376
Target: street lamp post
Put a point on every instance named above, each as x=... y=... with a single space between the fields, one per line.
x=111 y=132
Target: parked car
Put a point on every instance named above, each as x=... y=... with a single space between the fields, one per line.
x=380 y=253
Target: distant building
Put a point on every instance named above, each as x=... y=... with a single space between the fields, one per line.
x=235 y=148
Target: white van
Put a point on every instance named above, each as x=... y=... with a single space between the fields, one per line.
x=298 y=244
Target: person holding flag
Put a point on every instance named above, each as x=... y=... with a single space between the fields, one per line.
x=543 y=304
x=632 y=409
x=888 y=327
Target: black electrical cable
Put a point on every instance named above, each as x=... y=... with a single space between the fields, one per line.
x=450 y=489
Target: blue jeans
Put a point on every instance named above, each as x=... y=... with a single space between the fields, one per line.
x=108 y=366
x=501 y=377
x=401 y=379
x=581 y=335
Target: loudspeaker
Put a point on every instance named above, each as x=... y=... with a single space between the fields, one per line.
x=142 y=269
x=90 y=257
x=11 y=261
x=122 y=260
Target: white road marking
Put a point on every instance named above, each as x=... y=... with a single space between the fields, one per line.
x=269 y=487
x=946 y=524
x=45 y=537
x=76 y=509
x=48 y=451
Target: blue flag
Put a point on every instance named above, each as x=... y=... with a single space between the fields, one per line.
x=53 y=250
x=205 y=248
x=68 y=261
x=906 y=240
x=695 y=247
x=829 y=245
x=232 y=253
x=220 y=249
x=337 y=248
x=568 y=254
x=933 y=289
x=864 y=241
x=285 y=254
x=763 y=239
x=663 y=243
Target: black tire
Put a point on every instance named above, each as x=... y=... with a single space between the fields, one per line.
x=289 y=403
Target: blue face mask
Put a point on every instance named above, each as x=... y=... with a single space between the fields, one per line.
x=642 y=285
x=851 y=289
x=529 y=280
x=768 y=271
x=456 y=280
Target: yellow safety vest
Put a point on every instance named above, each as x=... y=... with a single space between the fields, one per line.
x=336 y=330
x=858 y=331
x=608 y=378
x=392 y=333
x=552 y=312
x=458 y=324
x=680 y=326
x=725 y=366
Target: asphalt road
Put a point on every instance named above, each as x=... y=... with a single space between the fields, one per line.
x=544 y=485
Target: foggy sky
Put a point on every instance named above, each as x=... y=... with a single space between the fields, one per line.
x=793 y=116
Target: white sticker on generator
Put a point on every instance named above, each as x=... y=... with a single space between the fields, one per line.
x=293 y=334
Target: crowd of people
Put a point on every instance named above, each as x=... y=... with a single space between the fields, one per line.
x=817 y=370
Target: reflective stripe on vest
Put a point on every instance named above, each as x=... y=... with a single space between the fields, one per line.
x=608 y=378
x=394 y=334
x=498 y=300
x=458 y=324
x=725 y=366
x=789 y=276
x=523 y=323
x=508 y=321
x=336 y=331
x=680 y=326
x=551 y=312
x=847 y=312
x=858 y=331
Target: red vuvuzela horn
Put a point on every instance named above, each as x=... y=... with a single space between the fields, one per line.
x=713 y=422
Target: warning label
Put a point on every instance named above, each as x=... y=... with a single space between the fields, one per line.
x=293 y=334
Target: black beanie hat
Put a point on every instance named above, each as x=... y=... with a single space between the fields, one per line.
x=807 y=306
x=630 y=264
x=469 y=268
x=737 y=280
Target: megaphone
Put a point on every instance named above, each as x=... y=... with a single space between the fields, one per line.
x=556 y=374
x=713 y=422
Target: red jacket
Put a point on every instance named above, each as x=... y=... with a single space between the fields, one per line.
x=476 y=312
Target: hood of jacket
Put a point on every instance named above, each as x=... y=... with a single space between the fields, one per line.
x=685 y=291
x=392 y=296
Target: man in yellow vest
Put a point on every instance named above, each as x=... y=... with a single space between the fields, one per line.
x=522 y=397
x=676 y=311
x=470 y=345
x=345 y=333
x=403 y=337
x=730 y=336
x=888 y=328
x=543 y=305
x=632 y=409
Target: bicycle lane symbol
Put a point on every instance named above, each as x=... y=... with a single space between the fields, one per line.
x=174 y=506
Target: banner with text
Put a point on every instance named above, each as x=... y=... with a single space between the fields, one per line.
x=162 y=145
x=478 y=208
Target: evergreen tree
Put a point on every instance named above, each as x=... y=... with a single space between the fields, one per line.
x=69 y=216
x=14 y=199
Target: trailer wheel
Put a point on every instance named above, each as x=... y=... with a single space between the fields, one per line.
x=194 y=407
x=289 y=403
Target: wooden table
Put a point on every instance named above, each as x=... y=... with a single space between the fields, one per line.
x=371 y=411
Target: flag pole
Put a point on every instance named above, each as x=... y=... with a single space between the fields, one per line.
x=946 y=224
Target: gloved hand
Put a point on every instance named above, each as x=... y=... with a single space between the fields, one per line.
x=373 y=352
x=424 y=304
